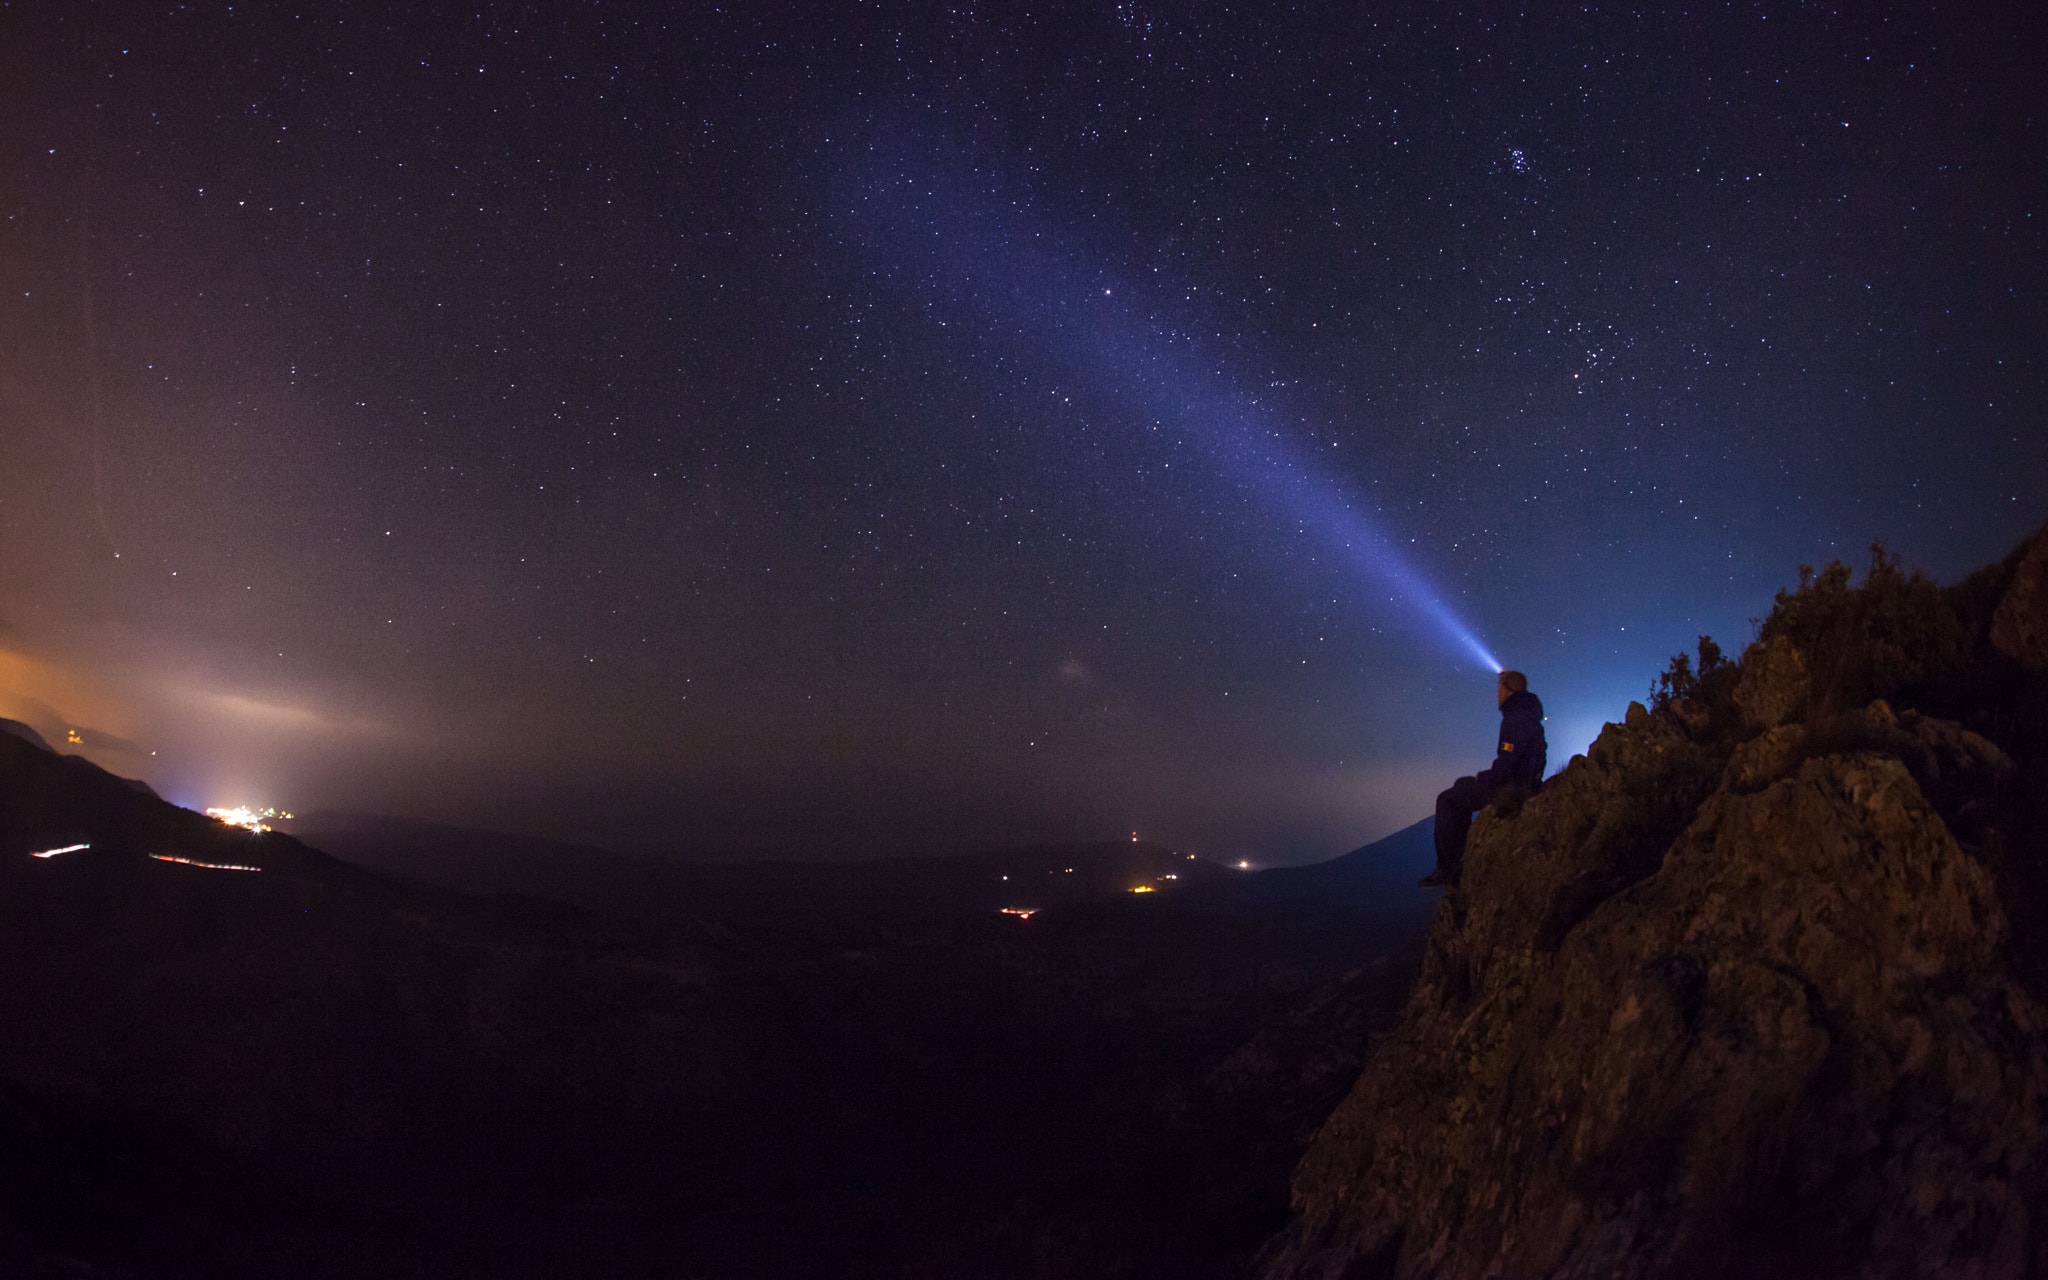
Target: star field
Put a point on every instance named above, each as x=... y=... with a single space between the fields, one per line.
x=897 y=427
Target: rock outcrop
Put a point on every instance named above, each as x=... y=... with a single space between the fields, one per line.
x=1747 y=1002
x=2020 y=627
x=1776 y=685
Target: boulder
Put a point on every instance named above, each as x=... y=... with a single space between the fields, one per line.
x=2019 y=627
x=1776 y=684
x=25 y=733
x=1766 y=758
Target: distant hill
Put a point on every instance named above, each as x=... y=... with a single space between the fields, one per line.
x=338 y=1029
x=25 y=733
x=1034 y=878
x=475 y=861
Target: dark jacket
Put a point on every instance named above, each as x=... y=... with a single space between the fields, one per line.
x=1523 y=752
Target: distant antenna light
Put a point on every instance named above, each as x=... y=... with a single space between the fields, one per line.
x=1134 y=837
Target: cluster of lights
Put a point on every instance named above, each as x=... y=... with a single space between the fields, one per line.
x=194 y=862
x=254 y=819
x=1025 y=913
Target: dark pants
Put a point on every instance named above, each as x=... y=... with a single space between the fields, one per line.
x=1454 y=809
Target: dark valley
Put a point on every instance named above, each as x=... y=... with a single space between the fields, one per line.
x=1754 y=987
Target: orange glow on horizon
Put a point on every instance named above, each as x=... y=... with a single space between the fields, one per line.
x=32 y=689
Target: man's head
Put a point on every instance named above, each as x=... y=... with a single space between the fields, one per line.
x=1511 y=683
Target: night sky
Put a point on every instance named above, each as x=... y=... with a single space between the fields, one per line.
x=843 y=429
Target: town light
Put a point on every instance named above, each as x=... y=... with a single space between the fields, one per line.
x=241 y=816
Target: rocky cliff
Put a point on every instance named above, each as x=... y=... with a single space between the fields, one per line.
x=1753 y=987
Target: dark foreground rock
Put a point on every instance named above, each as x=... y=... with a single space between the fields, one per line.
x=1750 y=989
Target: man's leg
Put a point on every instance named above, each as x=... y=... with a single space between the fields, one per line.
x=1454 y=809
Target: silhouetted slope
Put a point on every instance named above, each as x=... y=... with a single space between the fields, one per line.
x=1384 y=872
x=24 y=732
x=1752 y=988
x=489 y=862
x=1379 y=876
x=360 y=1038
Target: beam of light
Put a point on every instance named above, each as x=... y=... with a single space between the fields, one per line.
x=51 y=853
x=975 y=238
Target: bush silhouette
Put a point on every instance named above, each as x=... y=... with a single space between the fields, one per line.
x=1889 y=636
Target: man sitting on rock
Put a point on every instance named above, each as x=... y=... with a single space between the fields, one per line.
x=1518 y=763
